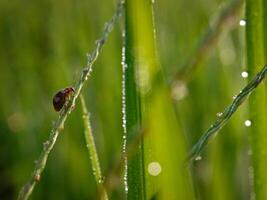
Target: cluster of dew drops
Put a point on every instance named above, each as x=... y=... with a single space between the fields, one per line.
x=244 y=74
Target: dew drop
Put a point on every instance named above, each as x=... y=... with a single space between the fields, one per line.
x=198 y=158
x=101 y=179
x=247 y=123
x=242 y=22
x=219 y=114
x=154 y=168
x=244 y=74
x=124 y=118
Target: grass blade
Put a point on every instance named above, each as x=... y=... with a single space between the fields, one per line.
x=156 y=170
x=226 y=115
x=90 y=144
x=257 y=103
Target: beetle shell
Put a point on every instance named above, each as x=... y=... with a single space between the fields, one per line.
x=60 y=98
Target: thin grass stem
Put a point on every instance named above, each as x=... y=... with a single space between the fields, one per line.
x=27 y=189
x=256 y=57
x=90 y=144
x=226 y=115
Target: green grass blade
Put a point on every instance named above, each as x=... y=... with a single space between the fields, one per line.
x=226 y=115
x=156 y=169
x=90 y=143
x=134 y=174
x=257 y=103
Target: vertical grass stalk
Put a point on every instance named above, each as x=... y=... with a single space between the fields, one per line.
x=257 y=102
x=155 y=171
x=134 y=174
x=90 y=144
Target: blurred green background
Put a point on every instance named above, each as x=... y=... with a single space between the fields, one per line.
x=43 y=48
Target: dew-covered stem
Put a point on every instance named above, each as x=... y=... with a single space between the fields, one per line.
x=148 y=104
x=58 y=126
x=134 y=181
x=118 y=168
x=226 y=115
x=90 y=144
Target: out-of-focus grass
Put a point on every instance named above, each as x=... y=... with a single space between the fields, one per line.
x=255 y=34
x=43 y=47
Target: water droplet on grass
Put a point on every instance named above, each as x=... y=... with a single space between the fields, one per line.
x=242 y=22
x=219 y=114
x=101 y=179
x=247 y=123
x=124 y=118
x=198 y=158
x=244 y=74
x=154 y=168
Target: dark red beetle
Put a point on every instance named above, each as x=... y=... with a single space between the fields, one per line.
x=61 y=97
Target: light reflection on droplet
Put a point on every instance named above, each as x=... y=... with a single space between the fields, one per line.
x=244 y=74
x=124 y=118
x=198 y=158
x=247 y=123
x=242 y=22
x=154 y=168
x=219 y=114
x=179 y=90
